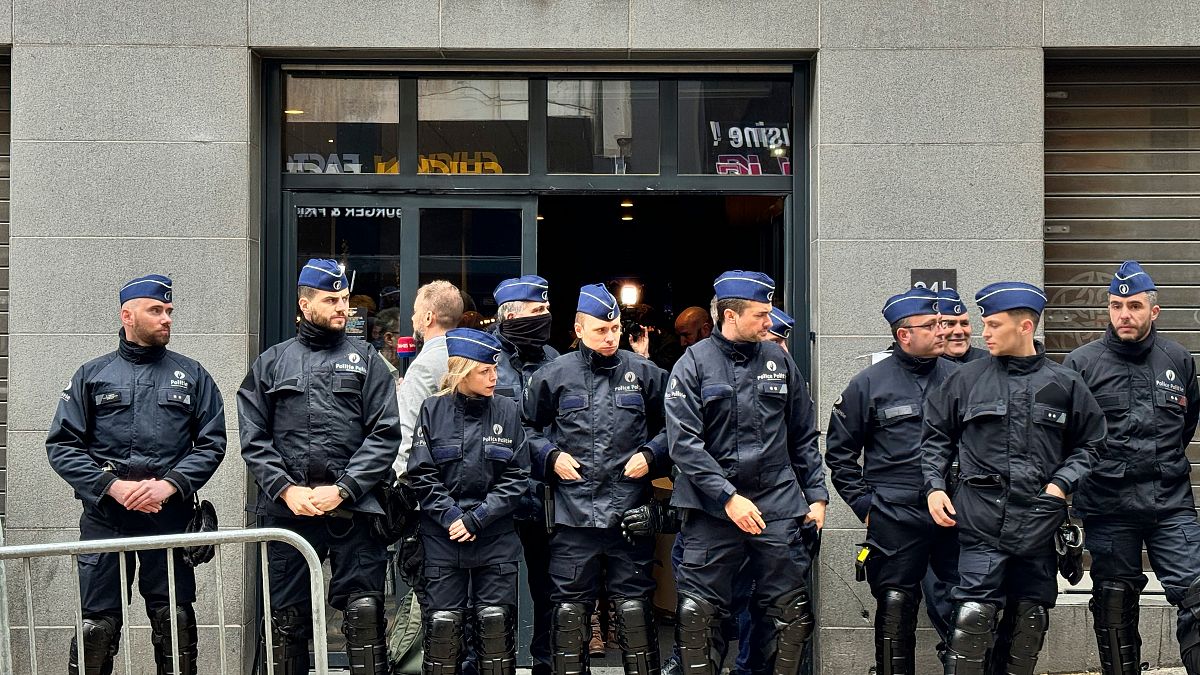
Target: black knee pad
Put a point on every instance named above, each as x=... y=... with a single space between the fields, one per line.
x=362 y=620
x=570 y=629
x=291 y=627
x=972 y=638
x=101 y=638
x=794 y=625
x=443 y=642
x=1114 y=607
x=693 y=633
x=160 y=631
x=895 y=632
x=1191 y=599
x=637 y=636
x=496 y=643
x=1031 y=620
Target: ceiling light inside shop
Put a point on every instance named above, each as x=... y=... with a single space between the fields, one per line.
x=626 y=204
x=331 y=140
x=626 y=217
x=293 y=112
x=541 y=217
x=631 y=294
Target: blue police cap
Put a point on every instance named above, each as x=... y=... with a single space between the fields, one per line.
x=1130 y=279
x=781 y=323
x=595 y=300
x=324 y=275
x=1005 y=295
x=912 y=302
x=742 y=285
x=950 y=304
x=153 y=286
x=473 y=344
x=529 y=288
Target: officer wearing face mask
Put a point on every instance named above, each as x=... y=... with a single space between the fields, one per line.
x=523 y=328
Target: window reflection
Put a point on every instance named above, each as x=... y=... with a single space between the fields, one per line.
x=602 y=126
x=740 y=128
x=473 y=126
x=341 y=125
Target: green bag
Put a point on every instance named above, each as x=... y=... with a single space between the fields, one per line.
x=405 y=637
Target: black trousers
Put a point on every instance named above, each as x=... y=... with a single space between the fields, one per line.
x=583 y=559
x=99 y=573
x=357 y=561
x=988 y=574
x=906 y=545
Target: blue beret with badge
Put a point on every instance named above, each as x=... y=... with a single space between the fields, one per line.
x=153 y=286
x=1131 y=279
x=529 y=288
x=912 y=302
x=743 y=285
x=324 y=274
x=472 y=344
x=595 y=300
x=781 y=323
x=1005 y=295
x=950 y=304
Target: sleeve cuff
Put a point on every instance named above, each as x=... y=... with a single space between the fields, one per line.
x=548 y=467
x=175 y=478
x=471 y=522
x=816 y=494
x=654 y=450
x=352 y=486
x=276 y=487
x=727 y=493
x=1062 y=485
x=649 y=454
x=453 y=514
x=935 y=485
x=862 y=506
x=107 y=478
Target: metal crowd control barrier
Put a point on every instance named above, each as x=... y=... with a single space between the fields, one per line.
x=167 y=541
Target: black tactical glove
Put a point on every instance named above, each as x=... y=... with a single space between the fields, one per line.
x=1068 y=543
x=204 y=519
x=648 y=520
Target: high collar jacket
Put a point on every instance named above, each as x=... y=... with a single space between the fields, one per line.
x=313 y=414
x=740 y=420
x=1016 y=424
x=470 y=461
x=159 y=417
x=601 y=411
x=878 y=419
x=512 y=374
x=972 y=354
x=1150 y=399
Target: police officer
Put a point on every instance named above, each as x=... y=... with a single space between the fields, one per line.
x=956 y=326
x=596 y=434
x=878 y=419
x=137 y=433
x=469 y=466
x=1139 y=493
x=319 y=432
x=1026 y=431
x=740 y=429
x=523 y=327
x=781 y=327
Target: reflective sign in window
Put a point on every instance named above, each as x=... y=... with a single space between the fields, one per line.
x=341 y=125
x=602 y=126
x=473 y=126
x=738 y=128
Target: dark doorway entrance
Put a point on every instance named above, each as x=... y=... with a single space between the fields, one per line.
x=667 y=247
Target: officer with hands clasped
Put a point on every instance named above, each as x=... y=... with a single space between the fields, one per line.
x=319 y=430
x=469 y=467
x=1139 y=493
x=1026 y=431
x=596 y=433
x=523 y=323
x=877 y=420
x=137 y=433
x=740 y=429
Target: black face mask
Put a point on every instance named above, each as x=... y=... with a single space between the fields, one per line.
x=529 y=334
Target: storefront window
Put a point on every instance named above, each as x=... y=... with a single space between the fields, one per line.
x=341 y=125
x=473 y=126
x=735 y=128
x=602 y=126
x=473 y=248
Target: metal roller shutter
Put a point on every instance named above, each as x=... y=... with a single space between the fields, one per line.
x=1122 y=182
